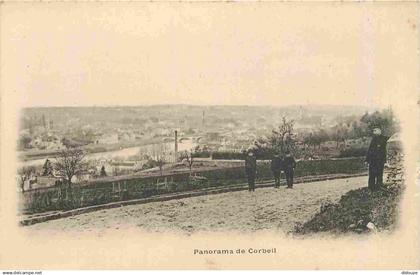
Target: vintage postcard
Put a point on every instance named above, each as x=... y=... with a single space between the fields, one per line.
x=209 y=135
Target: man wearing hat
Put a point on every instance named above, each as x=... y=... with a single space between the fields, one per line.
x=276 y=169
x=251 y=170
x=376 y=158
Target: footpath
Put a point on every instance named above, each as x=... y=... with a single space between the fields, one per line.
x=53 y=215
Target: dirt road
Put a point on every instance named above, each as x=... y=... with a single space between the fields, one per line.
x=266 y=208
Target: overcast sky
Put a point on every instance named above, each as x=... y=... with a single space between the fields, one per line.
x=208 y=53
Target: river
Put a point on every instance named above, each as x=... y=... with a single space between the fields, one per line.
x=167 y=147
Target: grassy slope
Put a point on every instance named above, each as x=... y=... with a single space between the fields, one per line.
x=357 y=208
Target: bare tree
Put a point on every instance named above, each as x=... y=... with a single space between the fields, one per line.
x=339 y=134
x=189 y=158
x=160 y=162
x=116 y=171
x=69 y=163
x=158 y=153
x=281 y=139
x=25 y=174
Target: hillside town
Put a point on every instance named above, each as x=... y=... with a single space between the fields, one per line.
x=142 y=140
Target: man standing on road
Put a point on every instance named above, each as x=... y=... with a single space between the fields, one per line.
x=289 y=165
x=251 y=170
x=276 y=169
x=376 y=158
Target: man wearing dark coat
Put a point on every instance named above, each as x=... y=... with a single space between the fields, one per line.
x=376 y=158
x=251 y=170
x=289 y=164
x=276 y=162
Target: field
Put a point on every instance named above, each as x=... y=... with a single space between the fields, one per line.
x=265 y=209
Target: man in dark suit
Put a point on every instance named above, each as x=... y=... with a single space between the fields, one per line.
x=276 y=169
x=251 y=170
x=289 y=164
x=376 y=158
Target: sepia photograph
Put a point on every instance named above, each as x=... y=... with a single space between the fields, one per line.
x=297 y=169
x=210 y=135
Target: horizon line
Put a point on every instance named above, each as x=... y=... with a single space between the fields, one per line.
x=202 y=105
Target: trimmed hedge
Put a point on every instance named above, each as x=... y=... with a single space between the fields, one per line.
x=59 y=198
x=201 y=154
x=228 y=155
x=353 y=152
x=240 y=156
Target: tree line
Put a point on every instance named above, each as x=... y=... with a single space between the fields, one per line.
x=285 y=138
